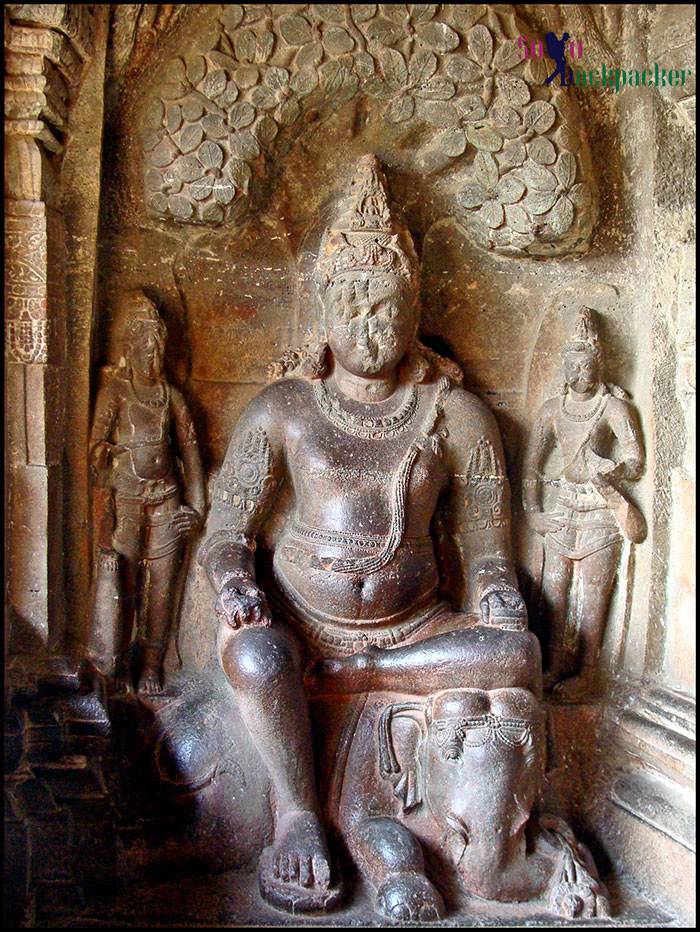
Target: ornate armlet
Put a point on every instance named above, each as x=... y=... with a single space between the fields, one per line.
x=242 y=481
x=485 y=489
x=225 y=536
x=499 y=587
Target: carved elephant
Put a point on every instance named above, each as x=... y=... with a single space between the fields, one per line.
x=457 y=776
x=184 y=769
x=454 y=776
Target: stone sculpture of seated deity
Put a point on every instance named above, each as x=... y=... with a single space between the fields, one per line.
x=374 y=432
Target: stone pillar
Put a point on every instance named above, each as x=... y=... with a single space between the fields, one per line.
x=45 y=48
x=678 y=669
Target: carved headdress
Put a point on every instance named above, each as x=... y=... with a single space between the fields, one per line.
x=364 y=235
x=584 y=338
x=138 y=312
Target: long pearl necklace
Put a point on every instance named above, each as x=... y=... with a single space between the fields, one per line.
x=586 y=415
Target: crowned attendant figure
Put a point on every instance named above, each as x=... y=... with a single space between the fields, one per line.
x=595 y=429
x=373 y=433
x=141 y=429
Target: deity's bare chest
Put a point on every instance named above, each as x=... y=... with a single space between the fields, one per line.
x=326 y=464
x=352 y=459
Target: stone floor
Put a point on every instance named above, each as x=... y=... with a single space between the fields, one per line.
x=232 y=900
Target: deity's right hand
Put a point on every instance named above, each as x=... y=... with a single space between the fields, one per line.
x=545 y=523
x=241 y=603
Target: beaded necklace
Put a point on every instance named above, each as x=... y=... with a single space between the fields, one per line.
x=587 y=415
x=153 y=402
x=367 y=427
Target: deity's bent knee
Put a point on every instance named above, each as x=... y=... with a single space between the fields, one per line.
x=256 y=658
x=375 y=438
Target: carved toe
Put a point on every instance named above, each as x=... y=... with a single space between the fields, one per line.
x=409 y=897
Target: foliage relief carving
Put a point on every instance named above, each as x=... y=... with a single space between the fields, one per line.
x=455 y=70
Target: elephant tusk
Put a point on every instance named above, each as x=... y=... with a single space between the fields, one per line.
x=460 y=830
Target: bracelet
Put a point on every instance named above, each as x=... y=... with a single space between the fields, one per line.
x=240 y=575
x=504 y=622
x=499 y=587
x=224 y=536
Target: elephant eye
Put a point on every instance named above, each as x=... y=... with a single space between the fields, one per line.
x=449 y=737
x=452 y=751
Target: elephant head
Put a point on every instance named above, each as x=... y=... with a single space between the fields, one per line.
x=477 y=766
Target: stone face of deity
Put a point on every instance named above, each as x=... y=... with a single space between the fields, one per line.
x=370 y=321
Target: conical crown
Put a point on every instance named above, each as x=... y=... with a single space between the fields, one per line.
x=585 y=335
x=138 y=311
x=364 y=235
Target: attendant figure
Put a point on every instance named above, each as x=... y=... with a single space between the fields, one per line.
x=595 y=428
x=144 y=452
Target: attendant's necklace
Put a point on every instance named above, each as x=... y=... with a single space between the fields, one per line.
x=152 y=402
x=599 y=397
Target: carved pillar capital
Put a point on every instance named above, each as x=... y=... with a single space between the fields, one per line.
x=70 y=26
x=46 y=47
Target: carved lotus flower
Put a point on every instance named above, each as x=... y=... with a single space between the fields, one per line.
x=491 y=194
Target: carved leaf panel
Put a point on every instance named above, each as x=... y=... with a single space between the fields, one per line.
x=453 y=75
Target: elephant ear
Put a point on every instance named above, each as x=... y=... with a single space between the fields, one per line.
x=406 y=779
x=407 y=790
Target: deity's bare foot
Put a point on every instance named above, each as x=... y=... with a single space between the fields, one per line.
x=150 y=682
x=337 y=675
x=295 y=872
x=409 y=897
x=576 y=688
